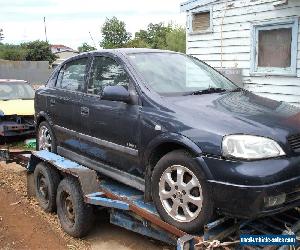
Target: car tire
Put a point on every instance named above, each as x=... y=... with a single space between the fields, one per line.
x=45 y=138
x=46 y=180
x=74 y=214
x=186 y=202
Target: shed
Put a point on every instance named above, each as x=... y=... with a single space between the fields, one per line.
x=255 y=41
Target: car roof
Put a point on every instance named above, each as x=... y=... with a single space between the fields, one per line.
x=129 y=51
x=12 y=81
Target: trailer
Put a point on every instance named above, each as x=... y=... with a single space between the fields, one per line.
x=81 y=189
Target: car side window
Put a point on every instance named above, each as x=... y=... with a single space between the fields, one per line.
x=52 y=79
x=106 y=72
x=72 y=75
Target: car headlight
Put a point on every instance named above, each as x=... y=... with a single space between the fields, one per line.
x=250 y=147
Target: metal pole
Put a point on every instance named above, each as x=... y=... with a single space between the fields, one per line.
x=93 y=40
x=45 y=29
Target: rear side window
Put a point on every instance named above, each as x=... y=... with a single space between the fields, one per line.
x=106 y=72
x=72 y=75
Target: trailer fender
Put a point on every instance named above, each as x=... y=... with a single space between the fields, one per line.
x=86 y=177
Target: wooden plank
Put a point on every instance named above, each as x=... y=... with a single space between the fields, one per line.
x=228 y=64
x=217 y=42
x=232 y=27
x=275 y=89
x=280 y=97
x=226 y=57
x=218 y=50
x=255 y=17
x=221 y=5
x=221 y=35
x=273 y=80
x=250 y=9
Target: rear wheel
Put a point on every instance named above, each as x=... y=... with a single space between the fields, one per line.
x=46 y=180
x=45 y=138
x=74 y=214
x=180 y=193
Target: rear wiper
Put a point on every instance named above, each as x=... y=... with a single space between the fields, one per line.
x=208 y=91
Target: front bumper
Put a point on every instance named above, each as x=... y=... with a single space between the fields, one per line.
x=249 y=201
x=241 y=188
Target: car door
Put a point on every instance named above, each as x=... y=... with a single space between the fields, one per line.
x=64 y=104
x=112 y=126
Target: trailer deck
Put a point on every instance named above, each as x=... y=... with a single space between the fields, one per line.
x=128 y=209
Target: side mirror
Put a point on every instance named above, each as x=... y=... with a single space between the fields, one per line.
x=116 y=93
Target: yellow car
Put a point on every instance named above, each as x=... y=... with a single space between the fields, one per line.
x=16 y=108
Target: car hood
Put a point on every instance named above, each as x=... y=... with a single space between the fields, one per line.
x=17 y=107
x=208 y=118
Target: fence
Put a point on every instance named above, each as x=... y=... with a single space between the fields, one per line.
x=36 y=72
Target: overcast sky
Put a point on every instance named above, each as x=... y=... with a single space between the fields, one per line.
x=70 y=21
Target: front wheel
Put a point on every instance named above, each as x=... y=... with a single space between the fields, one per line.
x=180 y=193
x=45 y=138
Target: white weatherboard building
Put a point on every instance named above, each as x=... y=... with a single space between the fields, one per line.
x=260 y=39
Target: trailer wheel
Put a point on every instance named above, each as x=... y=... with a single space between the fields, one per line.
x=46 y=180
x=180 y=193
x=74 y=214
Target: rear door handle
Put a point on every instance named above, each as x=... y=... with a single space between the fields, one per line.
x=84 y=111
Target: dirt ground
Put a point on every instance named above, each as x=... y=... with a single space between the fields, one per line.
x=23 y=225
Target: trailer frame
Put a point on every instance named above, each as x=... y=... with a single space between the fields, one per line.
x=127 y=208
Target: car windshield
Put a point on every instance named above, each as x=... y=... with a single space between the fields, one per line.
x=16 y=90
x=171 y=74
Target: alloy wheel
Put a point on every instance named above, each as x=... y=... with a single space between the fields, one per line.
x=45 y=139
x=180 y=193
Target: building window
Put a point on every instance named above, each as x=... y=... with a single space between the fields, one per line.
x=201 y=21
x=274 y=48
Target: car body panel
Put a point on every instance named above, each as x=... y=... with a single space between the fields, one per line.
x=17 y=107
x=125 y=135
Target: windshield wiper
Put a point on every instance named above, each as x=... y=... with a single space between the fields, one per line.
x=208 y=91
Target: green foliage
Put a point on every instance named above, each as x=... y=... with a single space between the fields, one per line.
x=1 y=35
x=137 y=43
x=38 y=51
x=31 y=51
x=12 y=52
x=114 y=34
x=159 y=36
x=176 y=40
x=85 y=48
x=156 y=36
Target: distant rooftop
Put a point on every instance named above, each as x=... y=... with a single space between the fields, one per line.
x=56 y=48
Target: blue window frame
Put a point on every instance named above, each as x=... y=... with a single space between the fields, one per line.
x=274 y=47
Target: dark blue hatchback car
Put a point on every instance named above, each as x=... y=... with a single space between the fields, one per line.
x=173 y=127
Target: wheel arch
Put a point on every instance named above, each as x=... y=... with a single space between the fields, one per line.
x=42 y=116
x=164 y=144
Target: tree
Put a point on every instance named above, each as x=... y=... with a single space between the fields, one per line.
x=85 y=48
x=114 y=34
x=176 y=40
x=155 y=35
x=137 y=43
x=38 y=51
x=12 y=52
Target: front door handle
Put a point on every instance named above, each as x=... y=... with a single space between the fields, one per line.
x=84 y=111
